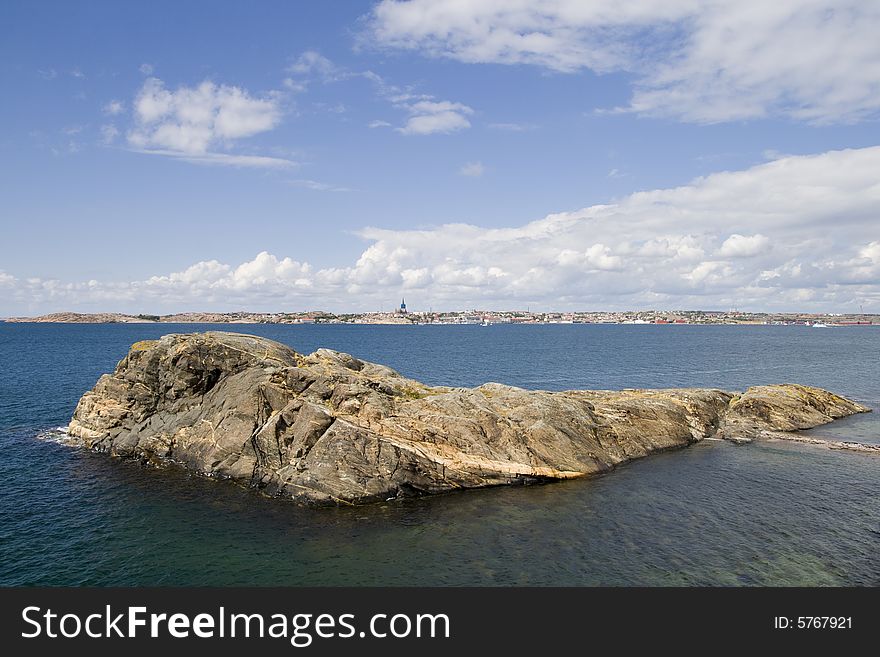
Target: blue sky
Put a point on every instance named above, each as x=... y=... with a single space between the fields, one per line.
x=558 y=154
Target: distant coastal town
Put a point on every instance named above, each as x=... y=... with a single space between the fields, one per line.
x=402 y=316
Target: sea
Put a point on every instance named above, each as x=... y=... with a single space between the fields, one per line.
x=765 y=514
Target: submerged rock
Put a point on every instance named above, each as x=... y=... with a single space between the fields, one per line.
x=330 y=428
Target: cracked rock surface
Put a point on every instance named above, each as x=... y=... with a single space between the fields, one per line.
x=329 y=428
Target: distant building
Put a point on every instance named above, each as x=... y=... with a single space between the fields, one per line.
x=402 y=309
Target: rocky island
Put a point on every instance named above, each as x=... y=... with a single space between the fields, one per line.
x=329 y=428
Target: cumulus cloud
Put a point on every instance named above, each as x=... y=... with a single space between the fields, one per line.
x=191 y=123
x=597 y=257
x=798 y=233
x=265 y=270
x=191 y=119
x=472 y=169
x=711 y=61
x=429 y=116
x=743 y=246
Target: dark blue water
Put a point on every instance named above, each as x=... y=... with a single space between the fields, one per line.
x=763 y=514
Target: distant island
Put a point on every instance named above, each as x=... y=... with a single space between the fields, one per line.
x=401 y=316
x=328 y=428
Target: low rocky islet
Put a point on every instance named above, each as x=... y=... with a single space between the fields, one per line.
x=330 y=428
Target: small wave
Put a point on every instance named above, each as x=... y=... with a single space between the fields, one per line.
x=56 y=435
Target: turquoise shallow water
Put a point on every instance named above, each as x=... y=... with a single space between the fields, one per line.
x=763 y=514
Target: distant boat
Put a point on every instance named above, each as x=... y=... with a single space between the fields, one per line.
x=820 y=325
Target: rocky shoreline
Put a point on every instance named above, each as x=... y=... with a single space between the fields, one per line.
x=328 y=428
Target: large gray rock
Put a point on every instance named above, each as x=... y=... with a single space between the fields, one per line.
x=330 y=428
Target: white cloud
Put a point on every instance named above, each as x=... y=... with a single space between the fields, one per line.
x=77 y=73
x=472 y=169
x=429 y=124
x=430 y=116
x=597 y=257
x=265 y=270
x=113 y=108
x=190 y=123
x=193 y=118
x=146 y=69
x=311 y=62
x=742 y=246
x=427 y=114
x=312 y=65
x=710 y=61
x=799 y=233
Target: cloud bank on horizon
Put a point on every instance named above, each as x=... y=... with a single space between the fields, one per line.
x=798 y=232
